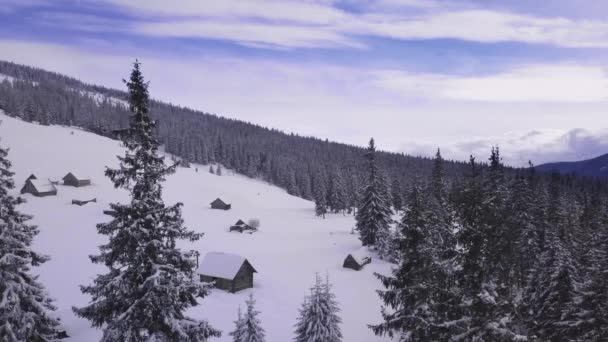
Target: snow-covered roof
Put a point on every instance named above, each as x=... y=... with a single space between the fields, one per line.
x=221 y=265
x=42 y=185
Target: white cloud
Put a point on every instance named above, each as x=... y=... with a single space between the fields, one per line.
x=517 y=148
x=340 y=103
x=561 y=83
x=319 y=24
x=272 y=35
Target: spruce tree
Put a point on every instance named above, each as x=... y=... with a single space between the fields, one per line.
x=319 y=320
x=239 y=326
x=25 y=307
x=149 y=284
x=374 y=211
x=252 y=326
x=320 y=196
x=486 y=261
x=211 y=170
x=396 y=195
x=414 y=297
x=218 y=171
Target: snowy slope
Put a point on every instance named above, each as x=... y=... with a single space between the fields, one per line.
x=290 y=247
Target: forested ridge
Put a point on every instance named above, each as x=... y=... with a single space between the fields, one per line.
x=480 y=251
x=290 y=161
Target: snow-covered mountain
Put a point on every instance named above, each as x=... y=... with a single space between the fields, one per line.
x=290 y=247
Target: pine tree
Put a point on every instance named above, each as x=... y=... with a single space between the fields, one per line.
x=239 y=326
x=218 y=171
x=374 y=211
x=149 y=284
x=336 y=194
x=319 y=320
x=415 y=297
x=211 y=170
x=320 y=196
x=555 y=307
x=24 y=303
x=396 y=196
x=488 y=298
x=252 y=330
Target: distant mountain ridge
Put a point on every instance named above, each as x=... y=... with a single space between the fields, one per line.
x=595 y=167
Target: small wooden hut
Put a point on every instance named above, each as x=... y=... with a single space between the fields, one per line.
x=229 y=272
x=356 y=263
x=219 y=204
x=240 y=226
x=71 y=180
x=38 y=188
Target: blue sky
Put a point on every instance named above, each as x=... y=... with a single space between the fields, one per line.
x=416 y=74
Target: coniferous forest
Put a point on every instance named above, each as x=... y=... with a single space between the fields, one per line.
x=481 y=251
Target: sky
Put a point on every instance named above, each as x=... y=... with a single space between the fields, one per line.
x=417 y=75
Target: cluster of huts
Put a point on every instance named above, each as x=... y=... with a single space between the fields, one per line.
x=232 y=273
x=43 y=188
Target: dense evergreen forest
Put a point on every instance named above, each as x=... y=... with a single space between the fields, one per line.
x=482 y=252
x=296 y=163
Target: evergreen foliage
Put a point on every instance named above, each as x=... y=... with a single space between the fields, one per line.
x=318 y=320
x=25 y=307
x=374 y=212
x=149 y=284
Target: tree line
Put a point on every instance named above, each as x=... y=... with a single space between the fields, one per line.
x=304 y=166
x=494 y=256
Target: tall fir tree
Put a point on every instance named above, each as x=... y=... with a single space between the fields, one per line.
x=396 y=195
x=25 y=307
x=488 y=298
x=149 y=284
x=318 y=320
x=374 y=211
x=415 y=296
x=252 y=330
x=239 y=327
x=320 y=194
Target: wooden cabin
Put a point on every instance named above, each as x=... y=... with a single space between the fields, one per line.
x=356 y=263
x=38 y=188
x=219 y=204
x=240 y=226
x=71 y=180
x=229 y=272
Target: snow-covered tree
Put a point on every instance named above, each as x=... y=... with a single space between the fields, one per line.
x=319 y=320
x=149 y=284
x=251 y=330
x=218 y=170
x=320 y=197
x=374 y=211
x=336 y=194
x=239 y=327
x=396 y=195
x=487 y=261
x=416 y=296
x=211 y=171
x=25 y=307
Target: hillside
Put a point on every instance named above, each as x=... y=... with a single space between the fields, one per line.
x=290 y=161
x=596 y=167
x=291 y=246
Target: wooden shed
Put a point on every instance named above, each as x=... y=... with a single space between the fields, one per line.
x=219 y=204
x=356 y=263
x=71 y=180
x=229 y=272
x=38 y=188
x=240 y=226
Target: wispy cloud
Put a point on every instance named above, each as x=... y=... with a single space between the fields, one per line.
x=561 y=83
x=311 y=24
x=518 y=148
